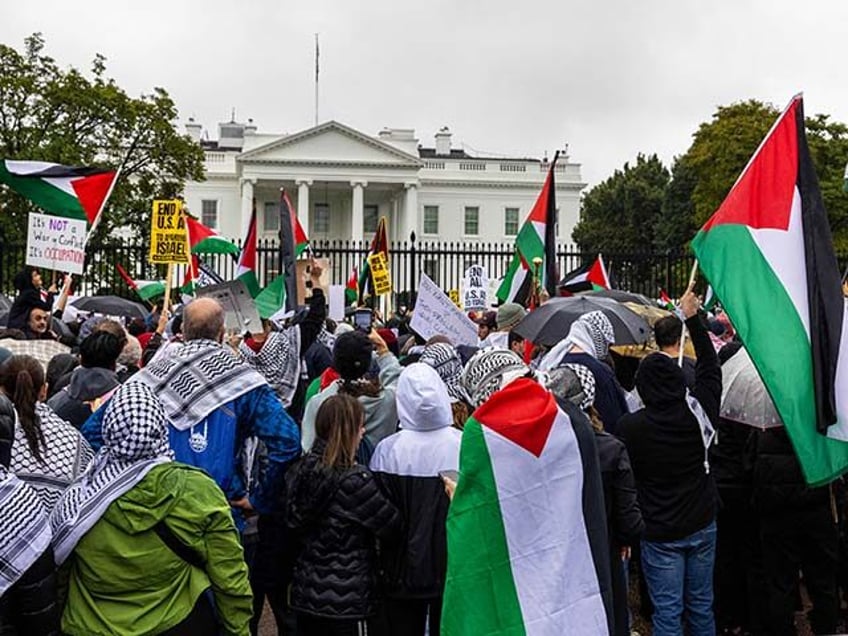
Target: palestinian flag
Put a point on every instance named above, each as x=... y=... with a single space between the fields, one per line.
x=301 y=241
x=198 y=274
x=589 y=277
x=146 y=289
x=246 y=271
x=666 y=302
x=351 y=288
x=520 y=559
x=72 y=192
x=769 y=255
x=272 y=299
x=204 y=240
x=536 y=239
x=380 y=243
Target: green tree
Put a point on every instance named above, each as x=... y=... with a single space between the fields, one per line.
x=63 y=115
x=675 y=225
x=620 y=213
x=828 y=142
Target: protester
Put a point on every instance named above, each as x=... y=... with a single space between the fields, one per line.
x=407 y=466
x=486 y=324
x=129 y=361
x=92 y=382
x=587 y=343
x=667 y=334
x=59 y=372
x=337 y=510
x=668 y=443
x=28 y=603
x=37 y=326
x=446 y=361
x=276 y=356
x=154 y=547
x=30 y=296
x=507 y=317
x=352 y=359
x=48 y=453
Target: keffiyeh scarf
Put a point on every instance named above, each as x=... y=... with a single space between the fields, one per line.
x=572 y=382
x=592 y=332
x=24 y=532
x=278 y=361
x=196 y=379
x=135 y=440
x=490 y=370
x=447 y=363
x=65 y=457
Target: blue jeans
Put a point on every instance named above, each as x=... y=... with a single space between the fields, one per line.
x=680 y=580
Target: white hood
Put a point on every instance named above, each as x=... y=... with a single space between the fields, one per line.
x=423 y=403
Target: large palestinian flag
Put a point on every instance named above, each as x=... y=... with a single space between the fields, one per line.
x=204 y=240
x=588 y=277
x=536 y=239
x=519 y=554
x=72 y=192
x=768 y=254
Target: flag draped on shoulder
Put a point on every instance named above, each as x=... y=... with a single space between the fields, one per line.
x=588 y=277
x=768 y=253
x=519 y=555
x=72 y=192
x=536 y=239
x=380 y=243
x=146 y=289
x=246 y=271
x=205 y=240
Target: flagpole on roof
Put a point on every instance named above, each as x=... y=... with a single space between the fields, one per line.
x=316 y=79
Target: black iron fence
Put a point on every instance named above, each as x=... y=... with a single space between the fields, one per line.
x=445 y=262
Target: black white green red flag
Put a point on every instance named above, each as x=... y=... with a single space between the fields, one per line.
x=379 y=244
x=246 y=271
x=205 y=240
x=72 y=192
x=146 y=289
x=591 y=276
x=769 y=255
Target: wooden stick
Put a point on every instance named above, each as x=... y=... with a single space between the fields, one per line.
x=166 y=301
x=692 y=277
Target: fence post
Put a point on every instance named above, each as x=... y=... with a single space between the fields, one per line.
x=411 y=265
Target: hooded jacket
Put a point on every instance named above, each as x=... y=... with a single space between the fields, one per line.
x=86 y=385
x=407 y=466
x=676 y=492
x=125 y=580
x=28 y=298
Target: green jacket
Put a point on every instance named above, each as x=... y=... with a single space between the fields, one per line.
x=125 y=580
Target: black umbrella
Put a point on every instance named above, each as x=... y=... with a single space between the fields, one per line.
x=549 y=324
x=111 y=306
x=622 y=296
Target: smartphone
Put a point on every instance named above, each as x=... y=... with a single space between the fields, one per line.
x=453 y=475
x=363 y=320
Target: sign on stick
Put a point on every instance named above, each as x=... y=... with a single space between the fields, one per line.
x=380 y=274
x=168 y=233
x=56 y=243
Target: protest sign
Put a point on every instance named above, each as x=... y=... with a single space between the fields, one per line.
x=56 y=243
x=475 y=286
x=380 y=274
x=435 y=314
x=453 y=294
x=168 y=233
x=312 y=273
x=240 y=314
x=336 y=303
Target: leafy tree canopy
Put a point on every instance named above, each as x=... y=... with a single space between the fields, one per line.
x=63 y=115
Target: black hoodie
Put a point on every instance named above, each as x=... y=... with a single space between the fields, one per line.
x=676 y=493
x=29 y=298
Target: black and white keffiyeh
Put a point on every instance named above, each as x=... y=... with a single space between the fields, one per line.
x=65 y=456
x=592 y=332
x=572 y=382
x=447 y=363
x=24 y=531
x=278 y=361
x=587 y=384
x=489 y=370
x=196 y=379
x=135 y=439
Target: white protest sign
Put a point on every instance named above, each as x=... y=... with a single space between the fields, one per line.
x=475 y=286
x=56 y=243
x=435 y=314
x=337 y=303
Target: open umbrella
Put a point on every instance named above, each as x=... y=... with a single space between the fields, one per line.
x=744 y=397
x=549 y=323
x=111 y=306
x=41 y=350
x=622 y=296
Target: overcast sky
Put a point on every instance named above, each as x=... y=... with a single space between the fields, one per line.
x=610 y=79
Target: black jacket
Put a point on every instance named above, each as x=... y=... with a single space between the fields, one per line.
x=609 y=398
x=624 y=518
x=677 y=495
x=86 y=384
x=336 y=517
x=30 y=607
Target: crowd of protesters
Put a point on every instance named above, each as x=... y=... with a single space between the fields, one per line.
x=169 y=477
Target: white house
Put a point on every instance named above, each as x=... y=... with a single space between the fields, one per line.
x=341 y=180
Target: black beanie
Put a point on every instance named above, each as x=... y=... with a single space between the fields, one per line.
x=352 y=355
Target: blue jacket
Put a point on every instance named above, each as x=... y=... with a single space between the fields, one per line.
x=258 y=414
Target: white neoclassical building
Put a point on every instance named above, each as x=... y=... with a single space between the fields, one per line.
x=341 y=180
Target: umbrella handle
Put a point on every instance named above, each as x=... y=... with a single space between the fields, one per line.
x=683 y=330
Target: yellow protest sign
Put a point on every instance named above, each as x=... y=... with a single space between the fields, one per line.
x=168 y=233
x=380 y=274
x=454 y=296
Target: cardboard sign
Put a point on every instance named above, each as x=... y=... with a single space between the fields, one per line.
x=56 y=243
x=435 y=314
x=380 y=274
x=240 y=310
x=168 y=233
x=475 y=286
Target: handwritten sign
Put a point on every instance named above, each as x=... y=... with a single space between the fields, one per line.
x=435 y=314
x=475 y=286
x=380 y=274
x=56 y=243
x=168 y=233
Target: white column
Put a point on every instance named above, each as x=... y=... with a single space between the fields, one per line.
x=357 y=211
x=246 y=204
x=303 y=203
x=410 y=212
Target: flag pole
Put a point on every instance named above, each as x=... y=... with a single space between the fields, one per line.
x=166 y=301
x=683 y=330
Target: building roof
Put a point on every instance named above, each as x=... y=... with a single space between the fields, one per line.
x=459 y=153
